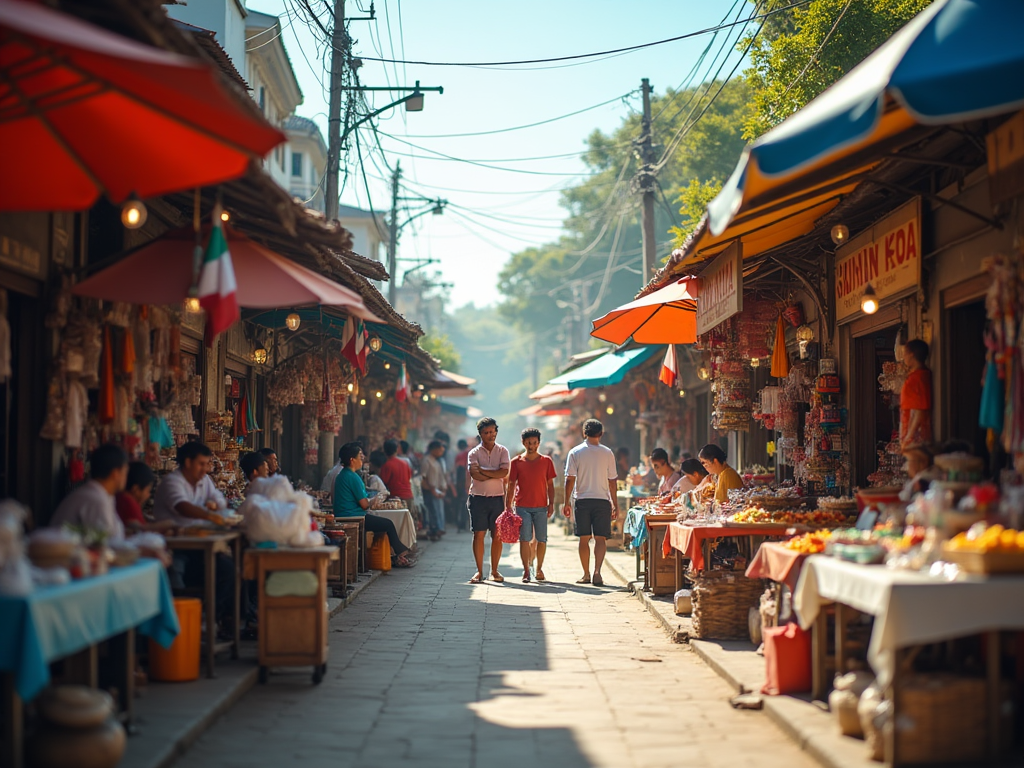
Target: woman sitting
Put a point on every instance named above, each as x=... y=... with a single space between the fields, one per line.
x=693 y=477
x=351 y=500
x=667 y=476
x=726 y=478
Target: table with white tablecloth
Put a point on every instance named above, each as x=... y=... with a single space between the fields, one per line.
x=403 y=521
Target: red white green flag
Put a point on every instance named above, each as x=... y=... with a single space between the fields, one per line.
x=669 y=369
x=353 y=343
x=402 y=390
x=218 y=291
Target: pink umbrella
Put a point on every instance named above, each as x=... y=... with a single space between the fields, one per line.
x=161 y=272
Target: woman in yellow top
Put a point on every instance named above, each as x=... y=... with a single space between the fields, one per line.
x=713 y=458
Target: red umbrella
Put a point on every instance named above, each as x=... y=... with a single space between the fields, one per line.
x=84 y=112
x=161 y=272
x=667 y=316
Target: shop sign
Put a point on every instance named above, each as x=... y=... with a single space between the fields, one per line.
x=1006 y=159
x=24 y=241
x=887 y=256
x=720 y=291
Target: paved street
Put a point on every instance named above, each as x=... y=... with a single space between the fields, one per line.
x=427 y=670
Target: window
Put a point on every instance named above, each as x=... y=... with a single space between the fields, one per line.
x=297 y=164
x=263 y=100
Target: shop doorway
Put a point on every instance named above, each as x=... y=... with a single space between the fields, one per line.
x=876 y=419
x=965 y=353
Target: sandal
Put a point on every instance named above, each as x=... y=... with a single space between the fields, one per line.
x=526 y=578
x=584 y=580
x=497 y=577
x=478 y=579
x=403 y=562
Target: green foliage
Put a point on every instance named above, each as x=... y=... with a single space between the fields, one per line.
x=441 y=347
x=693 y=201
x=799 y=54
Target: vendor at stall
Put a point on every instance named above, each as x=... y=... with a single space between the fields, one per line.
x=189 y=497
x=713 y=458
x=254 y=465
x=136 y=493
x=350 y=500
x=273 y=467
x=667 y=475
x=920 y=468
x=91 y=505
x=693 y=477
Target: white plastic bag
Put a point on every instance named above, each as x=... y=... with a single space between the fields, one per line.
x=274 y=511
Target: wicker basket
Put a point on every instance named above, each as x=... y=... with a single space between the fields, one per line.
x=985 y=562
x=942 y=718
x=776 y=503
x=721 y=604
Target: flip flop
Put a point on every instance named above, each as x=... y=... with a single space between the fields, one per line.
x=584 y=580
x=541 y=576
x=497 y=577
x=477 y=580
x=526 y=578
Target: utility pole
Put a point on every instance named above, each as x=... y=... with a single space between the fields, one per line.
x=339 y=57
x=393 y=234
x=646 y=180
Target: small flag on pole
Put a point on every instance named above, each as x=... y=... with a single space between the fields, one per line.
x=402 y=390
x=353 y=343
x=217 y=286
x=669 y=369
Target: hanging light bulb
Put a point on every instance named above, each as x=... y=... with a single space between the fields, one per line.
x=840 y=234
x=351 y=387
x=682 y=393
x=387 y=366
x=293 y=321
x=426 y=398
x=362 y=401
x=869 y=301
x=804 y=333
x=259 y=355
x=610 y=410
x=133 y=213
x=225 y=216
x=703 y=373
x=378 y=394
x=602 y=397
x=375 y=343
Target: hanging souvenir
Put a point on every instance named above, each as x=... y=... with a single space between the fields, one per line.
x=106 y=409
x=780 y=357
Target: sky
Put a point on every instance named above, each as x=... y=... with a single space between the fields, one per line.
x=513 y=204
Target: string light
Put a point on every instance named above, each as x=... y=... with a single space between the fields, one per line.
x=134 y=213
x=225 y=216
x=378 y=394
x=840 y=234
x=362 y=401
x=610 y=410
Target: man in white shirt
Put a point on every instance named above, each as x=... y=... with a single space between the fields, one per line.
x=91 y=505
x=487 y=465
x=591 y=477
x=189 y=497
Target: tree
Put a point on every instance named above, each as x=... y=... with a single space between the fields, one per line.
x=441 y=347
x=693 y=200
x=805 y=50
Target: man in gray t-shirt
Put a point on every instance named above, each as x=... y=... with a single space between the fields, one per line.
x=591 y=479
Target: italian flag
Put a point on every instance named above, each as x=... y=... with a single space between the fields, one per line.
x=669 y=369
x=402 y=390
x=353 y=343
x=218 y=291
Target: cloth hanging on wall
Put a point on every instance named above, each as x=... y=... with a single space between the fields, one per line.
x=106 y=409
x=780 y=357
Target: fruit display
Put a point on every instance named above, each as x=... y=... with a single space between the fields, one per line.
x=816 y=519
x=988 y=539
x=809 y=543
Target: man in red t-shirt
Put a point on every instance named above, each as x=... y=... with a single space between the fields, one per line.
x=531 y=485
x=396 y=473
x=916 y=396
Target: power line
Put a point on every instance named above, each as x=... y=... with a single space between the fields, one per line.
x=520 y=127
x=625 y=49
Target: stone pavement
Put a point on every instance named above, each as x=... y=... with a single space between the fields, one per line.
x=427 y=670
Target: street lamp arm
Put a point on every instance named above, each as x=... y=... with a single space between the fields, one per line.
x=364 y=118
x=416 y=216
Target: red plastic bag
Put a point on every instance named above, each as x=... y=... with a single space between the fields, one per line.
x=787 y=656
x=508 y=525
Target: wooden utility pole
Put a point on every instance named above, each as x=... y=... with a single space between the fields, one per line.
x=339 y=59
x=393 y=235
x=646 y=179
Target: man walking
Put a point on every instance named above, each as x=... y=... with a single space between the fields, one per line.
x=487 y=465
x=531 y=485
x=397 y=475
x=434 y=481
x=591 y=479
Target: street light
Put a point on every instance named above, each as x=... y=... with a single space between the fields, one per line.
x=436 y=208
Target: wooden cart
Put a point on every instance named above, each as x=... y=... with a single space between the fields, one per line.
x=292 y=629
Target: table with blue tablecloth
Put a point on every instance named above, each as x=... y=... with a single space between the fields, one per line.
x=56 y=622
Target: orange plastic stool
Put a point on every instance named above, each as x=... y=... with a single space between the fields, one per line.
x=180 y=662
x=379 y=555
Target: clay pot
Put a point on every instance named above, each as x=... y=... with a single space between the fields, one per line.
x=78 y=728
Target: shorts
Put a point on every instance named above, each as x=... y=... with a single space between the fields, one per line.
x=593 y=517
x=484 y=512
x=535 y=520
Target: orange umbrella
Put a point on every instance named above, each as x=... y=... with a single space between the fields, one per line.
x=667 y=316
x=161 y=272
